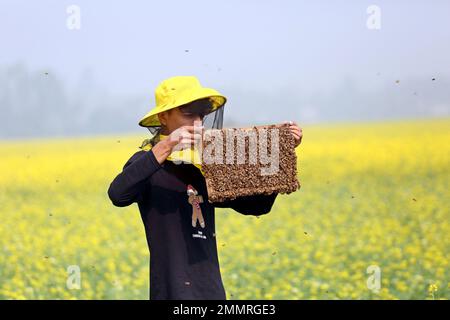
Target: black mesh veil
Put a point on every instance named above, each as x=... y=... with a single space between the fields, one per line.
x=214 y=120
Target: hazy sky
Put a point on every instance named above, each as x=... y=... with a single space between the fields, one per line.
x=251 y=46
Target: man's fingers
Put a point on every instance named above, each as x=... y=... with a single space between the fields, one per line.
x=296 y=130
x=192 y=136
x=186 y=137
x=188 y=134
x=182 y=145
x=187 y=128
x=192 y=129
x=296 y=136
x=191 y=139
x=297 y=133
x=187 y=140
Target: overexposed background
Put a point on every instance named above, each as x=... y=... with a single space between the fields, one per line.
x=310 y=61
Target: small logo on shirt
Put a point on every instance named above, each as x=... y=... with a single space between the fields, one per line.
x=199 y=234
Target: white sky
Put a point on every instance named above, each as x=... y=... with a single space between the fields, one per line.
x=234 y=45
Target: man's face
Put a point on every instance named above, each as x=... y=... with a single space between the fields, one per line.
x=184 y=115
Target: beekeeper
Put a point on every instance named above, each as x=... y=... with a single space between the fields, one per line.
x=172 y=196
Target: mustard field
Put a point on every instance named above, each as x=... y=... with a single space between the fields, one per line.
x=370 y=221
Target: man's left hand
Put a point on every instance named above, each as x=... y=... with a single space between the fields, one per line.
x=296 y=132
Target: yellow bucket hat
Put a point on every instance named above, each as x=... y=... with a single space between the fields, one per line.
x=177 y=91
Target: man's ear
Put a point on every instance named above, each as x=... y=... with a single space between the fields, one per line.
x=163 y=118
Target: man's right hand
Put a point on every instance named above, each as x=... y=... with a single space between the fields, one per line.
x=182 y=138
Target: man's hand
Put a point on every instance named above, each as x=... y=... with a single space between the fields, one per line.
x=181 y=138
x=296 y=132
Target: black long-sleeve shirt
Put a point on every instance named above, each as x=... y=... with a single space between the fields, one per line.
x=183 y=259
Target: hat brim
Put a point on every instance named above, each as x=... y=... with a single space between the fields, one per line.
x=151 y=119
